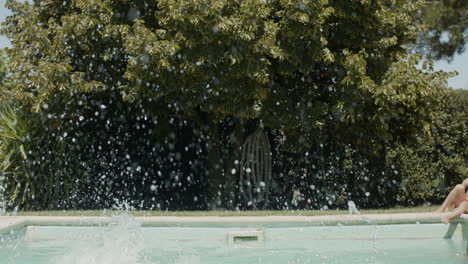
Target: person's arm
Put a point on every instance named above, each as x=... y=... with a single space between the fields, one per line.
x=463 y=207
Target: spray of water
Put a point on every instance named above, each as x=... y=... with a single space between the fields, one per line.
x=353 y=209
x=120 y=242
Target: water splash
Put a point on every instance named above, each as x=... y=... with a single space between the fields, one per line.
x=122 y=205
x=353 y=209
x=120 y=242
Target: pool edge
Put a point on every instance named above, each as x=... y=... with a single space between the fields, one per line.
x=10 y=222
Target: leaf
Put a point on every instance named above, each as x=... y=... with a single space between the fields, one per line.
x=23 y=152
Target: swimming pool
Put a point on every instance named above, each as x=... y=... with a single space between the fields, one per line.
x=125 y=240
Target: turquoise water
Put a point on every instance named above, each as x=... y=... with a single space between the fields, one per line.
x=126 y=242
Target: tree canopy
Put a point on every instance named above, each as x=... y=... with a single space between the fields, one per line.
x=313 y=71
x=289 y=63
x=447 y=28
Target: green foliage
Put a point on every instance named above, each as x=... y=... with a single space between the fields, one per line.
x=5 y=78
x=264 y=59
x=447 y=28
x=24 y=142
x=427 y=170
x=14 y=144
x=327 y=71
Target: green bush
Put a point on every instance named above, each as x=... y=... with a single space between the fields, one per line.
x=428 y=169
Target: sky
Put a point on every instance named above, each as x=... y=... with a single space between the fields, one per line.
x=459 y=62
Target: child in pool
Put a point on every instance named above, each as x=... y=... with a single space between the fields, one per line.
x=458 y=198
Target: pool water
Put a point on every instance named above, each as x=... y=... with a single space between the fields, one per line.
x=124 y=241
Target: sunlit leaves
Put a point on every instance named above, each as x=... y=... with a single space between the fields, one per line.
x=317 y=71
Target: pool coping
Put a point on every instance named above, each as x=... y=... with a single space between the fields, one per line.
x=8 y=223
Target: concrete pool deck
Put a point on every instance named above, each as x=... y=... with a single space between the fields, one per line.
x=8 y=223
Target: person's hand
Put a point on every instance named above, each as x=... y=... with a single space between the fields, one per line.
x=465 y=183
x=445 y=220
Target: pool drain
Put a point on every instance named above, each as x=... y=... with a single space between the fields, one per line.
x=234 y=237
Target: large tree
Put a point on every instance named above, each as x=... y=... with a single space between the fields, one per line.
x=326 y=70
